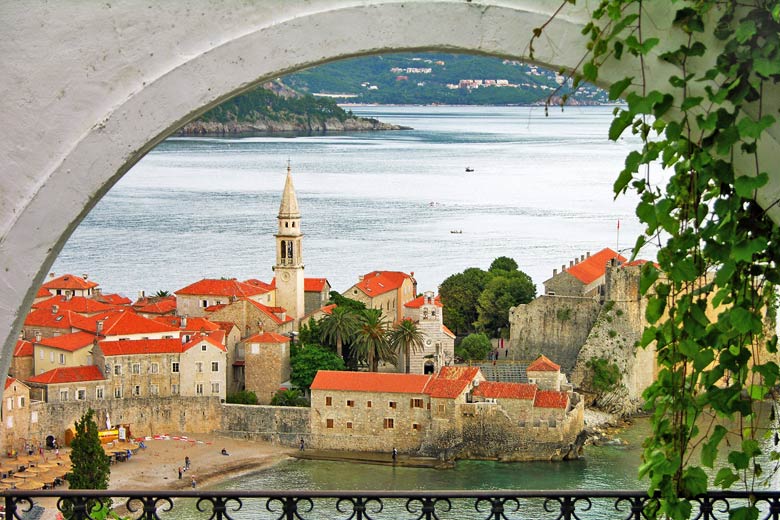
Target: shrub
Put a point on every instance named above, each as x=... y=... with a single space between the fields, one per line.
x=605 y=376
x=242 y=397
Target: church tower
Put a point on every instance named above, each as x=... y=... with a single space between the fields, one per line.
x=289 y=254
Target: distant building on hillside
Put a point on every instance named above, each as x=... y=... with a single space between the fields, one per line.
x=585 y=276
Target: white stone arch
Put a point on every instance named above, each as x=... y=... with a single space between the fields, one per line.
x=89 y=88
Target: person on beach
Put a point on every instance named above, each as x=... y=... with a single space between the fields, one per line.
x=395 y=454
x=186 y=463
x=192 y=482
x=302 y=444
x=225 y=452
x=180 y=472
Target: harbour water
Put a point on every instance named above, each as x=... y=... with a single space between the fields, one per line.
x=540 y=192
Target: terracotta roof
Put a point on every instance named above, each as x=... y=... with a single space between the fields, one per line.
x=594 y=266
x=8 y=382
x=254 y=282
x=195 y=324
x=380 y=282
x=214 y=287
x=114 y=299
x=370 y=382
x=43 y=293
x=68 y=375
x=141 y=346
x=314 y=284
x=267 y=337
x=270 y=312
x=23 y=348
x=451 y=381
x=69 y=342
x=164 y=306
x=45 y=318
x=68 y=281
x=78 y=304
x=128 y=322
x=497 y=390
x=447 y=331
x=543 y=364
x=227 y=326
x=216 y=339
x=420 y=300
x=551 y=399
x=215 y=308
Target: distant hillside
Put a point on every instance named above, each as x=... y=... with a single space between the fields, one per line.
x=276 y=108
x=434 y=78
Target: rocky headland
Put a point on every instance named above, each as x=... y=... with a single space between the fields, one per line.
x=289 y=125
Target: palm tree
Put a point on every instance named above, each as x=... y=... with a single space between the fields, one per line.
x=162 y=294
x=406 y=338
x=371 y=342
x=339 y=327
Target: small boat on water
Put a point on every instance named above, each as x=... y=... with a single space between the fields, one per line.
x=456 y=231
x=469 y=169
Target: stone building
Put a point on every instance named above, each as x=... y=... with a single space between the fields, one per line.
x=545 y=374
x=22 y=363
x=79 y=383
x=15 y=415
x=69 y=285
x=194 y=299
x=385 y=290
x=585 y=276
x=252 y=317
x=289 y=279
x=266 y=364
x=316 y=294
x=71 y=350
x=439 y=342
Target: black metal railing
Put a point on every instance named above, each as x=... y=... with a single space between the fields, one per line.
x=376 y=505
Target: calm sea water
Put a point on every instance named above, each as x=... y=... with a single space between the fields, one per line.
x=192 y=208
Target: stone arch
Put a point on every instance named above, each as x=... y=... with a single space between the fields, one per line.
x=82 y=117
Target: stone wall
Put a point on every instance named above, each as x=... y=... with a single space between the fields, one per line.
x=283 y=425
x=556 y=326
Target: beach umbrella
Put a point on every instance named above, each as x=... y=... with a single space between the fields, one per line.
x=31 y=484
x=34 y=469
x=47 y=465
x=24 y=475
x=3 y=487
x=51 y=475
x=11 y=480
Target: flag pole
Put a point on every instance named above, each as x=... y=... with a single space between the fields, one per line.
x=617 y=239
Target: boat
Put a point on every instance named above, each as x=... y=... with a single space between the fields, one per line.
x=469 y=169
x=456 y=231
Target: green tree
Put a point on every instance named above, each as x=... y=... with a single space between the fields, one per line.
x=289 y=397
x=474 y=347
x=91 y=468
x=343 y=301
x=503 y=263
x=504 y=290
x=242 y=397
x=309 y=333
x=162 y=294
x=307 y=360
x=340 y=326
x=406 y=338
x=371 y=343
x=459 y=294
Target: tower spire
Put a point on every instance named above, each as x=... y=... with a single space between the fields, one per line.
x=289 y=206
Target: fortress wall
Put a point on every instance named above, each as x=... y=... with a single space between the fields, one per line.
x=556 y=326
x=285 y=425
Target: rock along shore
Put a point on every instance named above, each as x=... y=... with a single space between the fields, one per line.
x=354 y=124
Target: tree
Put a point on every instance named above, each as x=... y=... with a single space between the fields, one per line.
x=459 y=294
x=340 y=326
x=503 y=291
x=90 y=463
x=474 y=347
x=289 y=397
x=306 y=361
x=343 y=301
x=162 y=294
x=503 y=263
x=405 y=338
x=242 y=397
x=310 y=333
x=370 y=343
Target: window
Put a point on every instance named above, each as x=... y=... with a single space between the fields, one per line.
x=99 y=392
x=389 y=423
x=328 y=401
x=203 y=347
x=136 y=390
x=40 y=354
x=117 y=370
x=369 y=404
x=215 y=366
x=9 y=423
x=214 y=388
x=441 y=408
x=199 y=367
x=204 y=303
x=51 y=357
x=350 y=403
x=415 y=403
x=118 y=392
x=154 y=368
x=62 y=359
x=81 y=394
x=174 y=389
x=199 y=389
x=329 y=423
x=393 y=405
x=416 y=427
x=349 y=425
x=136 y=368
x=33 y=417
x=21 y=401
x=63 y=395
x=154 y=390
x=175 y=367
x=9 y=403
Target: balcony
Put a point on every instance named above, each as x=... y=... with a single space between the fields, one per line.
x=414 y=505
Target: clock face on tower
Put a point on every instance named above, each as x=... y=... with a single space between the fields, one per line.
x=285 y=276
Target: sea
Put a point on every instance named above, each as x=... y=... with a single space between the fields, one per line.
x=540 y=192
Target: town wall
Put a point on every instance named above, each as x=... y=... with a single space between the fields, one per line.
x=285 y=425
x=22 y=367
x=556 y=326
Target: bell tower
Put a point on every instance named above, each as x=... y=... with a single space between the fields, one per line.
x=289 y=254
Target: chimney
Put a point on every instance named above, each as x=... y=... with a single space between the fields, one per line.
x=184 y=321
x=571 y=263
x=360 y=278
x=141 y=295
x=582 y=258
x=588 y=254
x=55 y=309
x=563 y=267
x=38 y=336
x=99 y=327
x=85 y=276
x=21 y=334
x=51 y=275
x=555 y=271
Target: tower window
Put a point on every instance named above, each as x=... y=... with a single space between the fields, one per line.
x=293 y=224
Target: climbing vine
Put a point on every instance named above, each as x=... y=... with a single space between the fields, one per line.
x=711 y=296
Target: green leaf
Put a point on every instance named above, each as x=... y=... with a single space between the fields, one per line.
x=752 y=129
x=745 y=185
x=745 y=31
x=655 y=308
x=617 y=88
x=739 y=460
x=694 y=481
x=744 y=513
x=590 y=72
x=690 y=102
x=725 y=478
x=709 y=450
x=619 y=123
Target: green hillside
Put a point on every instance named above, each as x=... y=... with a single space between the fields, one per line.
x=427 y=78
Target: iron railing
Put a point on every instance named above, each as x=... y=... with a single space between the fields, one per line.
x=376 y=505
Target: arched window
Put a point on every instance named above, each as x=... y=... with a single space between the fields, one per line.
x=284 y=249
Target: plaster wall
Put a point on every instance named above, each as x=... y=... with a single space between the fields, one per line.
x=128 y=74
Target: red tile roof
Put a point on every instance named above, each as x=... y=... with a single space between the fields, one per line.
x=164 y=306
x=78 y=304
x=370 y=382
x=114 y=299
x=451 y=381
x=380 y=282
x=195 y=324
x=45 y=318
x=68 y=375
x=551 y=399
x=69 y=342
x=226 y=326
x=497 y=390
x=267 y=337
x=267 y=287
x=128 y=322
x=271 y=312
x=215 y=308
x=8 y=382
x=214 y=287
x=43 y=293
x=23 y=348
x=215 y=339
x=543 y=364
x=141 y=346
x=314 y=284
x=594 y=266
x=447 y=331
x=70 y=282
x=420 y=300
